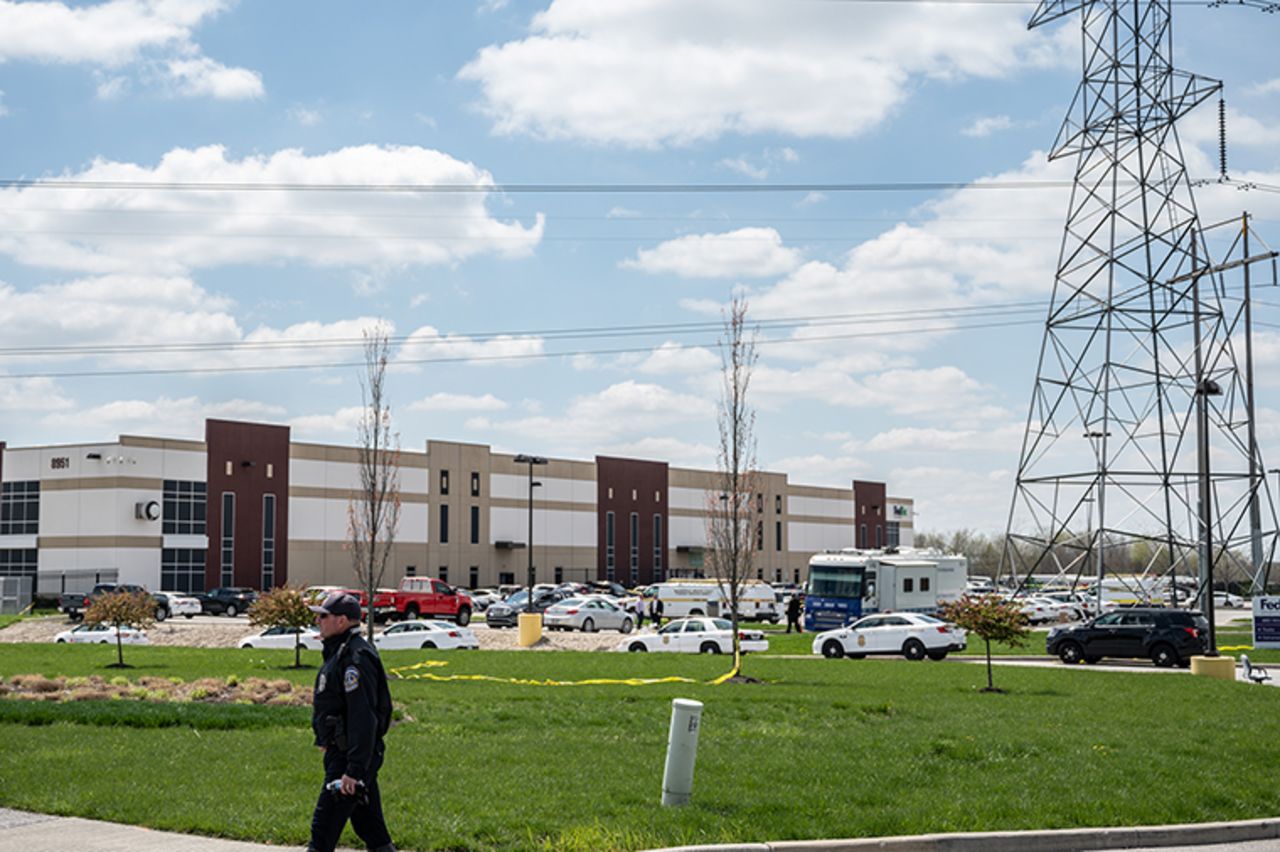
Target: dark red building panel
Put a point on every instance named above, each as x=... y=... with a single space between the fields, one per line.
x=249 y=461
x=869 y=507
x=624 y=487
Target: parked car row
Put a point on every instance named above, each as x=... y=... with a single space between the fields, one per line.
x=405 y=634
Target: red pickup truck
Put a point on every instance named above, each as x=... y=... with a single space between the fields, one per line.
x=424 y=597
x=417 y=597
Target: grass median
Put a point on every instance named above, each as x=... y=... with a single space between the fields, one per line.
x=822 y=748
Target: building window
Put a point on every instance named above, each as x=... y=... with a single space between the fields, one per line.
x=777 y=535
x=443 y=573
x=411 y=570
x=444 y=482
x=777 y=505
x=608 y=545
x=506 y=578
x=182 y=569
x=228 y=549
x=893 y=533
x=20 y=562
x=777 y=575
x=924 y=584
x=657 y=549
x=559 y=574
x=760 y=503
x=184 y=507
x=444 y=523
x=475 y=484
x=475 y=524
x=862 y=537
x=474 y=575
x=908 y=585
x=268 y=541
x=759 y=535
x=796 y=575
x=20 y=508
x=635 y=548
x=879 y=536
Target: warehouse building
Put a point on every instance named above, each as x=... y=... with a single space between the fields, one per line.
x=248 y=506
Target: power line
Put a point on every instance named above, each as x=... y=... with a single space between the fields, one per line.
x=166 y=371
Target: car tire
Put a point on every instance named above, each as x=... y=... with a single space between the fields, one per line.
x=428 y=645
x=832 y=649
x=189 y=615
x=913 y=649
x=937 y=656
x=247 y=645
x=709 y=648
x=1164 y=656
x=637 y=647
x=627 y=626
x=1070 y=653
x=411 y=612
x=161 y=613
x=1092 y=659
x=464 y=617
x=62 y=641
x=857 y=656
x=588 y=626
x=232 y=611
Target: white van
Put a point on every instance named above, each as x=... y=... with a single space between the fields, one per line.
x=680 y=598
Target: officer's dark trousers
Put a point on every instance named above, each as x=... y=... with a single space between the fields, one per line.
x=334 y=809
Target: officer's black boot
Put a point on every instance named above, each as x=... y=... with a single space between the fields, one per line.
x=390 y=847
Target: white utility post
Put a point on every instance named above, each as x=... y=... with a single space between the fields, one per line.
x=682 y=750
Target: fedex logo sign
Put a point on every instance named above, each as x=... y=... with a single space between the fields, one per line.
x=1266 y=622
x=1269 y=604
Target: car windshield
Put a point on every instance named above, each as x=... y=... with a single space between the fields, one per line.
x=673 y=627
x=517 y=599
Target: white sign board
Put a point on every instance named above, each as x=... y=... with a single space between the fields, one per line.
x=1266 y=622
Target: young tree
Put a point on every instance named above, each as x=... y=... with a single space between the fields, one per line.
x=734 y=508
x=373 y=514
x=284 y=607
x=122 y=609
x=993 y=618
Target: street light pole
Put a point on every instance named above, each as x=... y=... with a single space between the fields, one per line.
x=531 y=461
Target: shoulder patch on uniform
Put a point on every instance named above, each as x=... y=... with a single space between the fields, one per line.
x=351 y=679
x=320 y=683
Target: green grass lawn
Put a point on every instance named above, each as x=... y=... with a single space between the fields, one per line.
x=822 y=748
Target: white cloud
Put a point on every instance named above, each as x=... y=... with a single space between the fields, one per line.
x=458 y=402
x=743 y=167
x=344 y=421
x=111 y=88
x=1004 y=438
x=167 y=417
x=140 y=230
x=304 y=116
x=820 y=469
x=627 y=411
x=622 y=213
x=671 y=358
x=945 y=496
x=203 y=76
x=3 y=109
x=812 y=198
x=427 y=343
x=673 y=451
x=31 y=395
x=155 y=35
x=807 y=70
x=1269 y=87
x=744 y=253
x=984 y=127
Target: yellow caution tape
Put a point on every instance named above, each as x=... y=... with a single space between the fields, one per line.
x=1235 y=647
x=401 y=673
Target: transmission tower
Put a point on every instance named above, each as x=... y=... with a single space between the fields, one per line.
x=1139 y=459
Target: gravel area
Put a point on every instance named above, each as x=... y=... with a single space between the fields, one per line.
x=222 y=632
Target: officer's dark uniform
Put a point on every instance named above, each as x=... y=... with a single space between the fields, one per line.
x=351 y=712
x=793 y=612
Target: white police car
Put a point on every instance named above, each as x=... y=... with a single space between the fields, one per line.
x=911 y=634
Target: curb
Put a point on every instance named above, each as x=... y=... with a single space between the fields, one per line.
x=1062 y=840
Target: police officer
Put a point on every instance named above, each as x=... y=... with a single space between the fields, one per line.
x=795 y=606
x=351 y=710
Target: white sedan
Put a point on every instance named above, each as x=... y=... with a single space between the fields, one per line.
x=283 y=637
x=180 y=604
x=588 y=615
x=910 y=634
x=426 y=634
x=696 y=636
x=101 y=634
x=1226 y=599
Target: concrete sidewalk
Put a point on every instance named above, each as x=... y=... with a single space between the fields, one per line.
x=21 y=831
x=27 y=832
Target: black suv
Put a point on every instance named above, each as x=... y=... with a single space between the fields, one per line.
x=232 y=600
x=1168 y=637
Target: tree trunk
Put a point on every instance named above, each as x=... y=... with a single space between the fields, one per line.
x=119 y=647
x=990 y=683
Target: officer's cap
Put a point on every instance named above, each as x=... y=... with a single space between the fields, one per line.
x=339 y=603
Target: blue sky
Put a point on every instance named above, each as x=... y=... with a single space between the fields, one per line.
x=883 y=377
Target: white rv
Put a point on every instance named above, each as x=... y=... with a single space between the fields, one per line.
x=848 y=584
